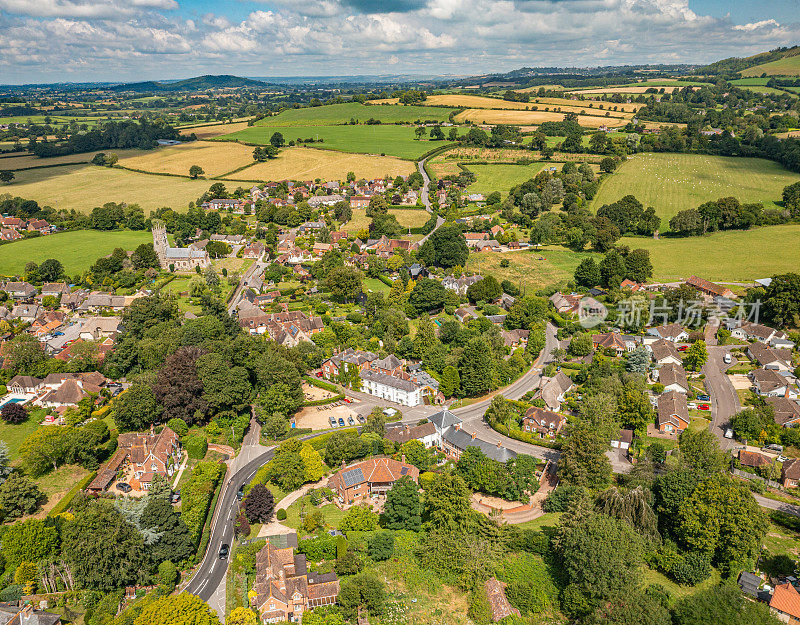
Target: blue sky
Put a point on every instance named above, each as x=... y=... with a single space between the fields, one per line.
x=84 y=40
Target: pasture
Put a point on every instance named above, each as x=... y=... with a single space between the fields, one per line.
x=525 y=268
x=76 y=250
x=534 y=118
x=334 y=114
x=301 y=163
x=83 y=187
x=408 y=218
x=501 y=177
x=787 y=66
x=28 y=160
x=733 y=255
x=391 y=140
x=210 y=131
x=214 y=157
x=674 y=182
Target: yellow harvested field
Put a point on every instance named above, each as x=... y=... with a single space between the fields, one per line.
x=537 y=87
x=24 y=162
x=83 y=187
x=628 y=107
x=628 y=89
x=460 y=154
x=440 y=170
x=483 y=116
x=298 y=163
x=214 y=130
x=215 y=158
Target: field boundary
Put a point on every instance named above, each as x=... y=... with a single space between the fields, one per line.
x=49 y=166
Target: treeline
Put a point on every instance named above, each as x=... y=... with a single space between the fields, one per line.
x=112 y=135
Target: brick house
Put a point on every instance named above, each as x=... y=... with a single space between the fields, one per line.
x=673 y=413
x=151 y=454
x=545 y=422
x=368 y=477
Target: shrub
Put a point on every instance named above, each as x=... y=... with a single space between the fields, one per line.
x=11 y=593
x=167 y=573
x=692 y=568
x=13 y=413
x=280 y=514
x=381 y=546
x=196 y=446
x=562 y=497
x=178 y=426
x=259 y=504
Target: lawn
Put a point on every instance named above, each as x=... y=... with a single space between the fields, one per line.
x=547 y=521
x=501 y=177
x=525 y=269
x=408 y=218
x=780 y=540
x=331 y=514
x=302 y=163
x=733 y=255
x=214 y=157
x=82 y=187
x=15 y=435
x=675 y=182
x=58 y=483
x=392 y=140
x=678 y=591
x=181 y=285
x=375 y=285
x=76 y=250
x=342 y=114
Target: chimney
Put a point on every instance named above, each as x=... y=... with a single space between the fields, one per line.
x=403 y=458
x=473 y=435
x=499 y=446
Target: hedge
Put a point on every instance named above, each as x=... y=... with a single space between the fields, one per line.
x=196 y=446
x=784 y=519
x=205 y=537
x=197 y=494
x=385 y=280
x=66 y=501
x=319 y=442
x=525 y=437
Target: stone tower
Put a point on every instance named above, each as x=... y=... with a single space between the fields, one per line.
x=160 y=241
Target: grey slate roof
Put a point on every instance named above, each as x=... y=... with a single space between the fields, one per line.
x=388 y=380
x=460 y=439
x=443 y=420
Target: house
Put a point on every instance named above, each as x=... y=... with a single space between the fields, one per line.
x=623 y=439
x=498 y=602
x=55 y=289
x=664 y=353
x=545 y=422
x=23 y=384
x=489 y=245
x=465 y=314
x=514 y=339
x=453 y=441
x=565 y=303
x=769 y=383
x=630 y=285
x=768 y=358
x=753 y=459
x=790 y=473
x=417 y=271
x=94 y=328
x=787 y=411
x=284 y=588
x=670 y=332
x=756 y=332
x=672 y=413
x=461 y=284
x=785 y=603
x=391 y=365
x=63 y=390
x=19 y=290
x=360 y=201
x=507 y=301
x=395 y=388
x=338 y=235
x=11 y=614
x=150 y=454
x=425 y=433
x=352 y=357
x=750 y=584
x=255 y=250
x=98 y=301
x=320 y=249
x=673 y=377
x=710 y=288
x=324 y=200
x=73 y=301
x=374 y=476
x=25 y=312
x=473 y=238
x=552 y=390
x=619 y=343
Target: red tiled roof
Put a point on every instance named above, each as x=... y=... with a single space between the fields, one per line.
x=786 y=599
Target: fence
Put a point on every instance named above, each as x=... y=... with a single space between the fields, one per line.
x=750 y=476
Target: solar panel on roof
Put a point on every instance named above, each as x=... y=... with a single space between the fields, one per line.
x=352 y=477
x=404 y=470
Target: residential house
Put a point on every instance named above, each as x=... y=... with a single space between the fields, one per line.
x=552 y=390
x=465 y=314
x=670 y=332
x=618 y=343
x=316 y=201
x=391 y=365
x=9 y=234
x=779 y=360
x=545 y=422
x=664 y=353
x=150 y=454
x=473 y=238
x=338 y=235
x=417 y=271
x=310 y=226
x=514 y=339
x=73 y=301
x=55 y=289
x=94 y=328
x=396 y=388
x=255 y=250
x=26 y=312
x=710 y=288
x=456 y=441
x=785 y=603
x=673 y=378
x=320 y=249
x=507 y=301
x=498 y=602
x=62 y=390
x=284 y=588
x=23 y=384
x=19 y=290
x=98 y=301
x=374 y=476
x=672 y=413
x=756 y=332
x=460 y=284
x=425 y=433
x=753 y=459
x=630 y=285
x=787 y=411
x=565 y=303
x=623 y=439
x=790 y=473
x=489 y=245
x=26 y=614
x=360 y=201
x=769 y=383
x=352 y=357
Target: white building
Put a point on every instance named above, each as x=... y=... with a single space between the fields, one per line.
x=391 y=388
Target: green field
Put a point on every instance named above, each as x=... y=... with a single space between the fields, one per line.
x=15 y=435
x=787 y=66
x=755 y=81
x=734 y=255
x=83 y=187
x=501 y=177
x=343 y=113
x=376 y=286
x=675 y=182
x=557 y=265
x=386 y=139
x=76 y=250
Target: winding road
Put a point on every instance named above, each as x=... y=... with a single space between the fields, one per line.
x=426 y=200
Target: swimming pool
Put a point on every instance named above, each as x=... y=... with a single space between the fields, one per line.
x=13 y=400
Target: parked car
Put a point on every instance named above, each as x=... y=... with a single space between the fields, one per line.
x=683 y=348
x=341 y=422
x=773 y=447
x=729 y=433
x=703 y=397
x=58 y=334
x=350 y=421
x=125 y=488
x=224 y=550
x=319 y=374
x=332 y=421
x=176 y=496
x=704 y=407
x=361 y=418
x=727 y=359
x=781 y=458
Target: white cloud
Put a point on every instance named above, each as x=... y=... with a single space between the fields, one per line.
x=756 y=25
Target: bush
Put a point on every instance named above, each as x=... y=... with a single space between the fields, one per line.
x=196 y=446
x=381 y=546
x=692 y=568
x=178 y=426
x=562 y=497
x=280 y=514
x=167 y=573
x=11 y=593
x=13 y=413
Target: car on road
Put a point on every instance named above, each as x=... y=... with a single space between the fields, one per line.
x=341 y=422
x=704 y=407
x=703 y=397
x=240 y=493
x=727 y=359
x=729 y=433
x=123 y=487
x=224 y=550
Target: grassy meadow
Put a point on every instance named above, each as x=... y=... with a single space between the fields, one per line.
x=16 y=162
x=334 y=114
x=408 y=218
x=533 y=118
x=501 y=177
x=525 y=269
x=392 y=140
x=733 y=255
x=675 y=182
x=788 y=66
x=76 y=250
x=301 y=163
x=82 y=187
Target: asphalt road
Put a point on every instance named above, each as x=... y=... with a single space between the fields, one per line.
x=724 y=400
x=426 y=181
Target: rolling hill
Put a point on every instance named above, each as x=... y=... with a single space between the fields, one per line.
x=775 y=62
x=199 y=83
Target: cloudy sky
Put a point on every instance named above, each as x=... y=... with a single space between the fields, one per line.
x=87 y=40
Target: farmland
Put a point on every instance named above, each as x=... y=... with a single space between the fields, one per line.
x=787 y=66
x=522 y=118
x=334 y=114
x=525 y=268
x=734 y=255
x=501 y=177
x=27 y=161
x=214 y=157
x=213 y=130
x=76 y=250
x=408 y=218
x=393 y=140
x=82 y=187
x=300 y=163
x=674 y=182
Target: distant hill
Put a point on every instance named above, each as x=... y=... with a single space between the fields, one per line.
x=780 y=61
x=200 y=83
